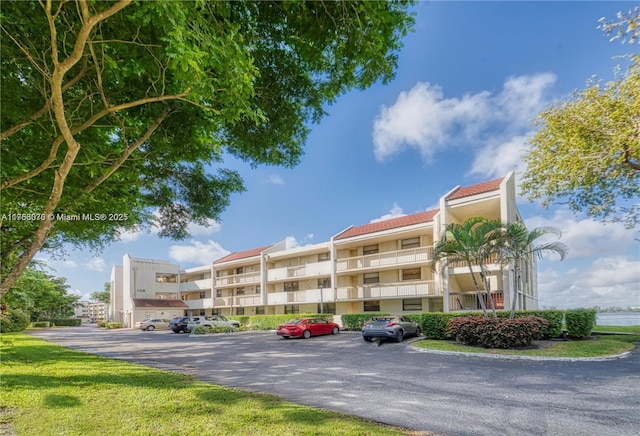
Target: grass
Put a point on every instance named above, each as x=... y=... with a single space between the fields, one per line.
x=64 y=392
x=598 y=346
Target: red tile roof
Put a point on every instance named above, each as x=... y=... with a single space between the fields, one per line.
x=242 y=254
x=479 y=188
x=379 y=226
x=140 y=303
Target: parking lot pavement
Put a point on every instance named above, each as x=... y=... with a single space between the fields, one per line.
x=392 y=383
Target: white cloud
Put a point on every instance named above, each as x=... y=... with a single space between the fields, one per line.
x=585 y=237
x=395 y=212
x=495 y=126
x=292 y=242
x=197 y=252
x=274 y=179
x=497 y=159
x=96 y=264
x=209 y=229
x=606 y=282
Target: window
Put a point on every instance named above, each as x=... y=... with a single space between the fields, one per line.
x=372 y=306
x=166 y=278
x=218 y=293
x=291 y=308
x=410 y=243
x=323 y=257
x=413 y=304
x=327 y=308
x=411 y=274
x=260 y=310
x=240 y=291
x=215 y=312
x=258 y=289
x=325 y=282
x=203 y=295
x=239 y=310
x=371 y=278
x=370 y=249
x=239 y=270
x=290 y=286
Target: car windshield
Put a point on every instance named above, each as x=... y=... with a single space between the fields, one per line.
x=294 y=321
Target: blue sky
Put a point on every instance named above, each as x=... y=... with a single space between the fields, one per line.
x=469 y=80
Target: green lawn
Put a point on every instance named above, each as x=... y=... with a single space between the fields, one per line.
x=599 y=346
x=64 y=392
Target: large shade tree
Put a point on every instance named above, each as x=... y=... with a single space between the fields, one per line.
x=117 y=115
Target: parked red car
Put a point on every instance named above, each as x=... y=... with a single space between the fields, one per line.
x=307 y=327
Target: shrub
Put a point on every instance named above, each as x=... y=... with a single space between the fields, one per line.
x=580 y=322
x=434 y=324
x=40 y=324
x=354 y=321
x=66 y=322
x=113 y=325
x=495 y=332
x=200 y=330
x=271 y=322
x=13 y=320
x=225 y=329
x=101 y=323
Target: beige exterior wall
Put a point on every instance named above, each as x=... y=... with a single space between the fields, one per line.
x=395 y=274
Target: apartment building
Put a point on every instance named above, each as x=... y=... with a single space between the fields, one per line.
x=384 y=266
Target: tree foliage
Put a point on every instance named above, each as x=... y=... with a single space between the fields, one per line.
x=479 y=242
x=586 y=152
x=41 y=295
x=518 y=245
x=103 y=296
x=119 y=115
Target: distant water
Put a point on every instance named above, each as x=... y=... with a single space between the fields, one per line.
x=618 y=318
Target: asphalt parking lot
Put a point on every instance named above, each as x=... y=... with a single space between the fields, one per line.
x=393 y=383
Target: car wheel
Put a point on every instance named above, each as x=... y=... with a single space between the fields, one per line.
x=187 y=330
x=306 y=334
x=335 y=331
x=399 y=336
x=367 y=339
x=150 y=328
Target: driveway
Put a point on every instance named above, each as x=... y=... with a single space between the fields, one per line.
x=393 y=383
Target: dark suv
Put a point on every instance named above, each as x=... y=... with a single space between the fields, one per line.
x=178 y=325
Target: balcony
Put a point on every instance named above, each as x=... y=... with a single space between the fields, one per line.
x=201 y=303
x=299 y=271
x=386 y=291
x=238 y=279
x=308 y=296
x=463 y=301
x=238 y=301
x=386 y=259
x=195 y=285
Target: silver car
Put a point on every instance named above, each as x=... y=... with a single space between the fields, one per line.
x=393 y=327
x=152 y=324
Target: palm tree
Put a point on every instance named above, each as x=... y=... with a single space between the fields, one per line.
x=517 y=244
x=473 y=243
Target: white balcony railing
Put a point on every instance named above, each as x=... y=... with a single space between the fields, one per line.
x=471 y=300
x=385 y=259
x=203 y=303
x=391 y=290
x=238 y=279
x=248 y=300
x=308 y=296
x=195 y=285
x=299 y=271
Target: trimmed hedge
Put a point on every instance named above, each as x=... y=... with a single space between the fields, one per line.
x=434 y=324
x=113 y=325
x=354 y=321
x=580 y=322
x=64 y=322
x=496 y=332
x=200 y=330
x=13 y=320
x=40 y=324
x=271 y=322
